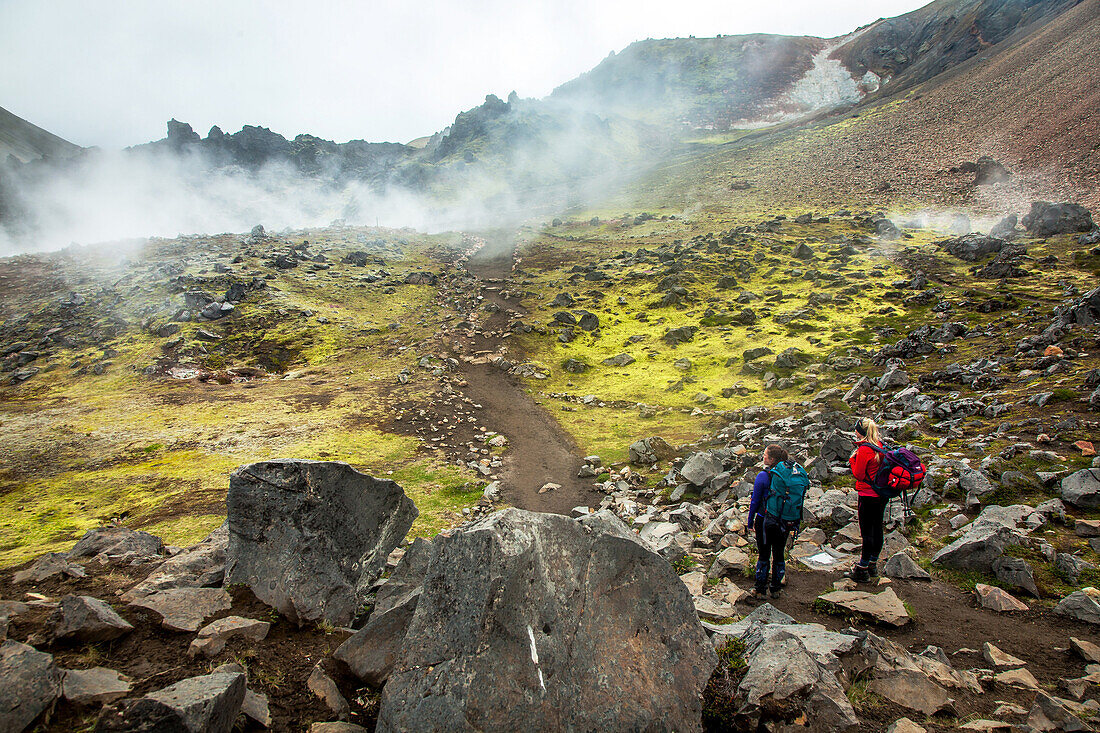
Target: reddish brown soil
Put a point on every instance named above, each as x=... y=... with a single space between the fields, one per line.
x=1031 y=103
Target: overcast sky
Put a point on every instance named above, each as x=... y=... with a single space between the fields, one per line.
x=112 y=72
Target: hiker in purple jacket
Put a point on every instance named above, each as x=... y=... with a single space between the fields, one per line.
x=771 y=536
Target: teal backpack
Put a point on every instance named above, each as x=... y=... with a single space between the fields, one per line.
x=788 y=491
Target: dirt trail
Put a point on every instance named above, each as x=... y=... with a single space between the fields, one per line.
x=539 y=450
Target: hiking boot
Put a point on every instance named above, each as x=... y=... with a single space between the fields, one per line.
x=759 y=593
x=872 y=571
x=859 y=574
x=775 y=592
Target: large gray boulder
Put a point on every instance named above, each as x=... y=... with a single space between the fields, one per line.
x=903 y=567
x=1082 y=489
x=650 y=450
x=976 y=485
x=793 y=668
x=536 y=621
x=1015 y=572
x=1081 y=606
x=206 y=704
x=700 y=468
x=30 y=683
x=977 y=550
x=1046 y=218
x=118 y=543
x=836 y=448
x=47 y=566
x=311 y=537
x=984 y=540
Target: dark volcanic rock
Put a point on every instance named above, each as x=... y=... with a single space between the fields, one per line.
x=420 y=278
x=1005 y=264
x=1005 y=228
x=588 y=321
x=207 y=704
x=619 y=360
x=887 y=229
x=972 y=247
x=30 y=683
x=47 y=566
x=1082 y=489
x=83 y=619
x=1046 y=219
x=180 y=134
x=573 y=366
x=373 y=650
x=310 y=537
x=990 y=171
x=1015 y=572
x=199 y=566
x=539 y=622
x=118 y=543
x=680 y=335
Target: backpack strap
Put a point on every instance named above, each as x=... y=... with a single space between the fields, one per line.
x=867 y=478
x=772 y=474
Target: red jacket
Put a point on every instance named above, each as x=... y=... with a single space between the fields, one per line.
x=864 y=462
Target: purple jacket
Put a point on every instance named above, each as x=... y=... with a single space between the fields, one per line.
x=760 y=488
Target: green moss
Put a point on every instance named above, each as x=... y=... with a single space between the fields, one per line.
x=684 y=564
x=186 y=530
x=49 y=513
x=440 y=492
x=156 y=453
x=720 y=703
x=862 y=699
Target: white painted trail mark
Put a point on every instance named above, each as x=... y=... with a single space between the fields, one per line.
x=535 y=657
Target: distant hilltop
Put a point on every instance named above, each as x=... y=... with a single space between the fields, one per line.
x=25 y=142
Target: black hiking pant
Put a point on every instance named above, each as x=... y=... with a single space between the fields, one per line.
x=871 y=511
x=771 y=541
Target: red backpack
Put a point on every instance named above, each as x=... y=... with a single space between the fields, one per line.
x=899 y=471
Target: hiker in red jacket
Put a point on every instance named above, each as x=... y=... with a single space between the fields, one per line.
x=872 y=507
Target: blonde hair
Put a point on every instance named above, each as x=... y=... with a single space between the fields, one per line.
x=866 y=427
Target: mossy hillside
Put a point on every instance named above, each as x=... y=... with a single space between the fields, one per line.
x=156 y=452
x=876 y=313
x=637 y=326
x=48 y=513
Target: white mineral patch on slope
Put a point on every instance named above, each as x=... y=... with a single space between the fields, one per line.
x=827 y=84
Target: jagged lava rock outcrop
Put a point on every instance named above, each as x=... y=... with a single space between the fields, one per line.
x=310 y=537
x=536 y=621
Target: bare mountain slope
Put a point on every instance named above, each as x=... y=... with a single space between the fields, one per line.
x=1032 y=103
x=915 y=47
x=27 y=142
x=699 y=82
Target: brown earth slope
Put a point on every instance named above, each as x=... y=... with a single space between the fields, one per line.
x=25 y=141
x=1030 y=103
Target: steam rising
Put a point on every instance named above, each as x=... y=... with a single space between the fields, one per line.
x=115 y=195
x=531 y=159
